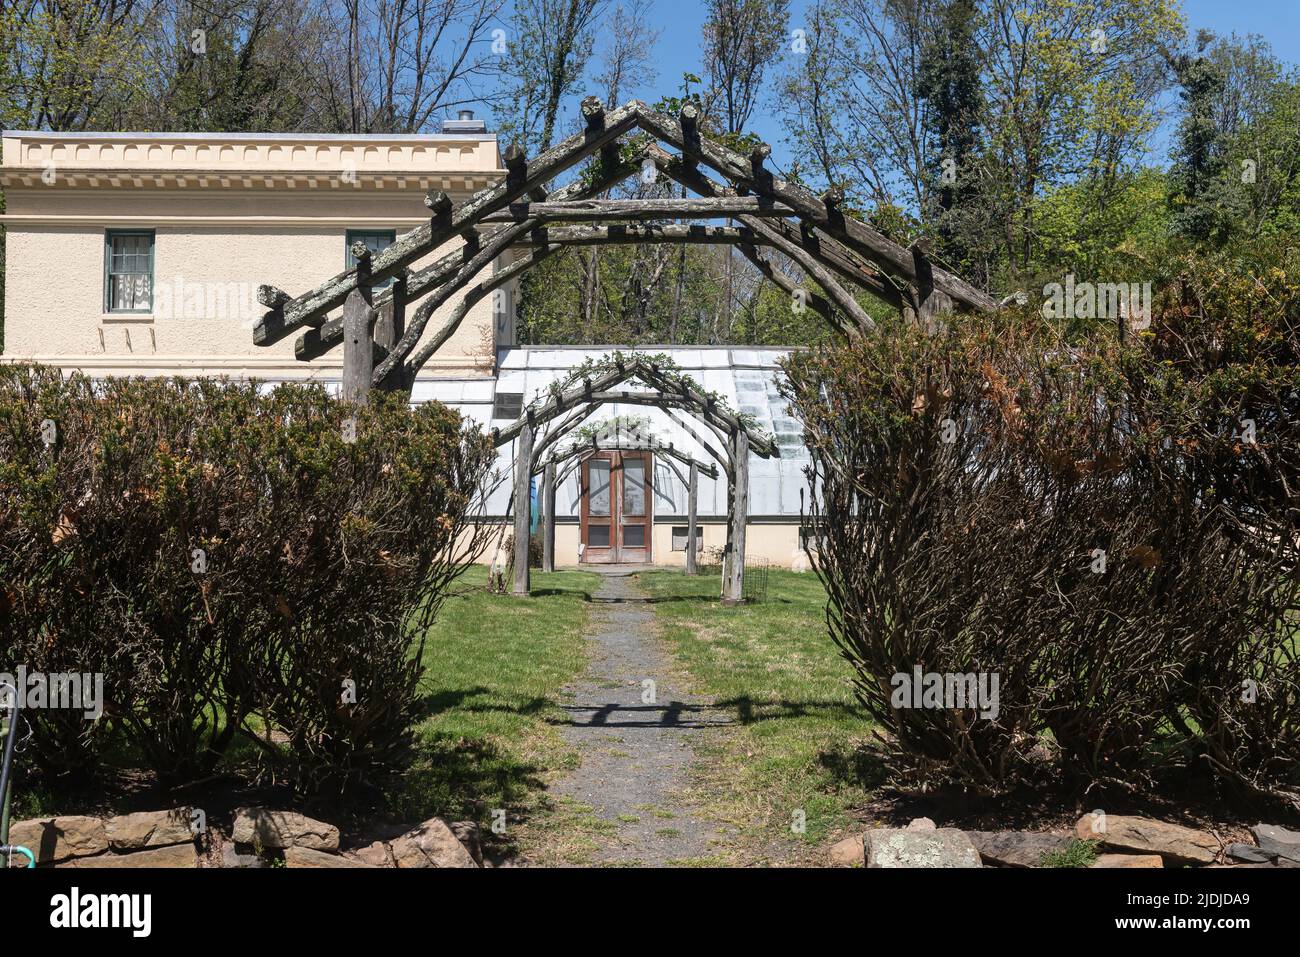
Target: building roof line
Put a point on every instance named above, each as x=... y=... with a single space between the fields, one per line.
x=136 y=135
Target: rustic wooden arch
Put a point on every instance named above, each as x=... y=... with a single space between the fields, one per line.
x=671 y=392
x=380 y=348
x=561 y=463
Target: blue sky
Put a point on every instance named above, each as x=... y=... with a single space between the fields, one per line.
x=678 y=49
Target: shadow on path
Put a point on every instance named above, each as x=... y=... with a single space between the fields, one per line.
x=634 y=730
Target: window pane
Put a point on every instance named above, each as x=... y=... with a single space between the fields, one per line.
x=375 y=240
x=598 y=485
x=130 y=274
x=634 y=486
x=508 y=405
x=634 y=536
x=598 y=536
x=679 y=538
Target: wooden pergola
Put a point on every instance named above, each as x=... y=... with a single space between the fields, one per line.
x=558 y=414
x=556 y=467
x=385 y=349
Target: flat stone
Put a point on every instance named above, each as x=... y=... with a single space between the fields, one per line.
x=283 y=829
x=467 y=833
x=149 y=829
x=175 y=855
x=943 y=847
x=230 y=857
x=59 y=838
x=1278 y=841
x=307 y=857
x=1173 y=842
x=432 y=844
x=1250 y=854
x=921 y=824
x=376 y=855
x=1128 y=860
x=1017 y=848
x=849 y=852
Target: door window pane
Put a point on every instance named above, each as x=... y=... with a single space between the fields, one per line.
x=634 y=536
x=598 y=485
x=598 y=536
x=634 y=486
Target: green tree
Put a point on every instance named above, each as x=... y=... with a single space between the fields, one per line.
x=1198 y=156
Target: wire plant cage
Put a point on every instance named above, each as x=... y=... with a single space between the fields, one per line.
x=755 y=584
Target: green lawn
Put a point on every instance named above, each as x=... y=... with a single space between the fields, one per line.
x=801 y=737
x=496 y=666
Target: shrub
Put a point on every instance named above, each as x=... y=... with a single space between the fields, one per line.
x=232 y=562
x=1075 y=518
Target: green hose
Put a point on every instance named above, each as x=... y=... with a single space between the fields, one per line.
x=7 y=849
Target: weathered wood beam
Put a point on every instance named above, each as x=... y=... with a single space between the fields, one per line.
x=678 y=400
x=643 y=234
x=702 y=400
x=548 y=516
x=598 y=210
x=682 y=396
x=733 y=570
x=358 y=341
x=555 y=433
x=715 y=454
x=390 y=323
x=787 y=285
x=667 y=449
x=428 y=237
x=605 y=176
x=788 y=239
x=692 y=524
x=895 y=259
x=522 y=508
x=563 y=402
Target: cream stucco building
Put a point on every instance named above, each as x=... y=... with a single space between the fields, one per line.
x=141 y=254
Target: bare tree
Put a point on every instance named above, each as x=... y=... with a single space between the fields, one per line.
x=741 y=39
x=551 y=43
x=394 y=65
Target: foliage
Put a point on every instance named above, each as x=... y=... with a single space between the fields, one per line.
x=232 y=563
x=1083 y=519
x=1078 y=854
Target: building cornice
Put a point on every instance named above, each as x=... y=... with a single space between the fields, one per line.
x=248 y=161
x=56 y=177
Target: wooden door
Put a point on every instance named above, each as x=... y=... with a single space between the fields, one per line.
x=617 y=507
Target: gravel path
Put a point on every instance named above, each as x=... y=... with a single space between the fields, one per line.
x=635 y=753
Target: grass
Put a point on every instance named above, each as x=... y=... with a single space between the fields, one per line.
x=495 y=669
x=1078 y=854
x=799 y=740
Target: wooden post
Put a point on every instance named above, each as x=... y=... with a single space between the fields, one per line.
x=522 y=507
x=692 y=497
x=733 y=581
x=548 y=512
x=390 y=323
x=358 y=338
